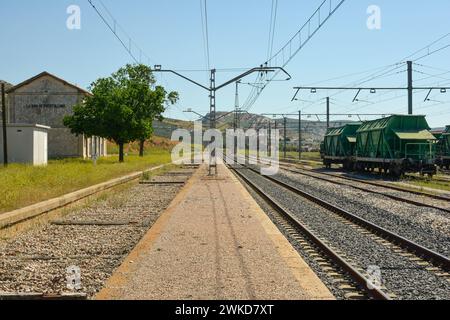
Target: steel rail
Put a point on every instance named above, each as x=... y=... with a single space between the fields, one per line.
x=415 y=248
x=374 y=291
x=377 y=184
x=391 y=196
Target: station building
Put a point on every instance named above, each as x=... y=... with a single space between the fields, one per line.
x=45 y=100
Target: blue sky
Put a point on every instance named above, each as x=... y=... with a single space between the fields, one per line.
x=35 y=38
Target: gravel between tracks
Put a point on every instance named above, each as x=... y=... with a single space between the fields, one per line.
x=400 y=275
x=426 y=226
x=36 y=261
x=340 y=177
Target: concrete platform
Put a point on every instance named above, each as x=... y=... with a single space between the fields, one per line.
x=214 y=242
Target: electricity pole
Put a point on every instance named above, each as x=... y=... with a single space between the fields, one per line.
x=269 y=148
x=409 y=88
x=328 y=113
x=285 y=136
x=212 y=100
x=318 y=115
x=299 y=135
x=5 y=138
x=236 y=106
x=212 y=89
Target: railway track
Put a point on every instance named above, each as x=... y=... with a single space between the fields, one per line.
x=331 y=178
x=417 y=255
x=397 y=188
x=290 y=166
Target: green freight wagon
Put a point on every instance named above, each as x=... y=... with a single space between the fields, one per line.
x=397 y=144
x=443 y=149
x=339 y=146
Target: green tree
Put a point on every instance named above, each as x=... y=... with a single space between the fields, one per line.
x=122 y=107
x=152 y=110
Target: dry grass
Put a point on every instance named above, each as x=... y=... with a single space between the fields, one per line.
x=432 y=184
x=24 y=185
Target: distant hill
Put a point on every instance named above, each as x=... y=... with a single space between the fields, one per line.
x=167 y=126
x=179 y=123
x=312 y=131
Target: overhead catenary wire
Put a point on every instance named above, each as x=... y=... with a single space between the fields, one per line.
x=351 y=74
x=204 y=41
x=416 y=56
x=433 y=52
x=207 y=35
x=284 y=55
x=273 y=27
x=114 y=27
x=431 y=67
x=270 y=29
x=430 y=76
x=380 y=72
x=113 y=30
x=423 y=52
x=426 y=48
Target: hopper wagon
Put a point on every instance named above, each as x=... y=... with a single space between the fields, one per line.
x=339 y=146
x=443 y=148
x=397 y=144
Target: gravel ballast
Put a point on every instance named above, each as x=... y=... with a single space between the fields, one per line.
x=96 y=239
x=426 y=226
x=401 y=276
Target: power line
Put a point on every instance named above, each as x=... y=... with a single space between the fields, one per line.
x=350 y=75
x=437 y=76
x=388 y=73
x=284 y=55
x=274 y=27
x=433 y=52
x=207 y=35
x=432 y=68
x=270 y=29
x=380 y=72
x=112 y=29
x=203 y=36
x=426 y=47
x=385 y=73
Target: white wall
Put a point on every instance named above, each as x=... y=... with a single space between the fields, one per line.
x=26 y=144
x=40 y=154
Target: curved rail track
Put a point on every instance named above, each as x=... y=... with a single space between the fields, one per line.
x=419 y=255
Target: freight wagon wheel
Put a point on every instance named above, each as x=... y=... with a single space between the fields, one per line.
x=351 y=166
x=347 y=165
x=358 y=167
x=395 y=171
